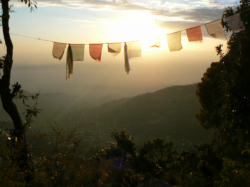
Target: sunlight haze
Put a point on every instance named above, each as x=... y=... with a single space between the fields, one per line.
x=111 y=21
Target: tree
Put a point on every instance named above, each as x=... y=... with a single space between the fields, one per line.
x=19 y=148
x=224 y=91
x=224 y=96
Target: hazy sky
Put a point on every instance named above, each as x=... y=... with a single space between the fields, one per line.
x=93 y=21
x=112 y=20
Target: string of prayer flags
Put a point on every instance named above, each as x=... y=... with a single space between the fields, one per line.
x=114 y=48
x=174 y=41
x=235 y=23
x=134 y=49
x=95 y=51
x=126 y=64
x=194 y=34
x=58 y=50
x=69 y=63
x=215 y=29
x=77 y=52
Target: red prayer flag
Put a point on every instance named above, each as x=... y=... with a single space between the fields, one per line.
x=95 y=51
x=194 y=34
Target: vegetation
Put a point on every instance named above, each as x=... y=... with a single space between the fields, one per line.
x=58 y=160
x=17 y=145
x=227 y=105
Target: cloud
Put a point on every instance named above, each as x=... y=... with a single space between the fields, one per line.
x=196 y=11
x=127 y=4
x=196 y=15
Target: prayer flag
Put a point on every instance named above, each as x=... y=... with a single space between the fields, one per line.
x=157 y=43
x=77 y=52
x=95 y=51
x=174 y=41
x=114 y=48
x=235 y=23
x=126 y=65
x=215 y=29
x=58 y=50
x=134 y=49
x=194 y=34
x=69 y=63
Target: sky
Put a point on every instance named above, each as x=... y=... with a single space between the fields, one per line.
x=102 y=21
x=118 y=20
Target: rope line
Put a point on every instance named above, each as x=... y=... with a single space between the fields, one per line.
x=46 y=40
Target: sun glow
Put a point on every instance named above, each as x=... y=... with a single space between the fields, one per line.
x=137 y=26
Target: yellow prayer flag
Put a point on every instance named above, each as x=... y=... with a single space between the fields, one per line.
x=134 y=49
x=114 y=48
x=174 y=41
x=58 y=50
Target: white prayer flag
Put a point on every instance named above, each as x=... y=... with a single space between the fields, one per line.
x=215 y=29
x=114 y=48
x=134 y=49
x=77 y=52
x=157 y=43
x=174 y=41
x=58 y=50
x=235 y=23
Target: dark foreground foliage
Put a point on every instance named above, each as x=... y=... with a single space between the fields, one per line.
x=58 y=160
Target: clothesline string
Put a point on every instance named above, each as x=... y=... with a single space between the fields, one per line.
x=32 y=37
x=194 y=26
x=46 y=40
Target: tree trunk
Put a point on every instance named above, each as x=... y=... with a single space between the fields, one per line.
x=18 y=143
x=6 y=96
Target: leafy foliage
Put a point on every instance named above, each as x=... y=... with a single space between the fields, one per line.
x=30 y=3
x=225 y=102
x=223 y=93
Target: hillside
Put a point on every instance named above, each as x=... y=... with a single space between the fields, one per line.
x=168 y=113
x=55 y=109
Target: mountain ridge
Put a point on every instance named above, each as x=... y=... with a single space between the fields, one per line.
x=168 y=113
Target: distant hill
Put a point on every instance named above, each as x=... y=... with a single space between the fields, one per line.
x=55 y=109
x=168 y=113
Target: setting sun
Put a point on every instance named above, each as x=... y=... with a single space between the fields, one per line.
x=136 y=26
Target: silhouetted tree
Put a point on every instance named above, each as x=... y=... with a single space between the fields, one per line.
x=18 y=144
x=224 y=95
x=224 y=92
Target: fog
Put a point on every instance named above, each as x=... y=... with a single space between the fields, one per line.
x=94 y=83
x=106 y=81
x=38 y=72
